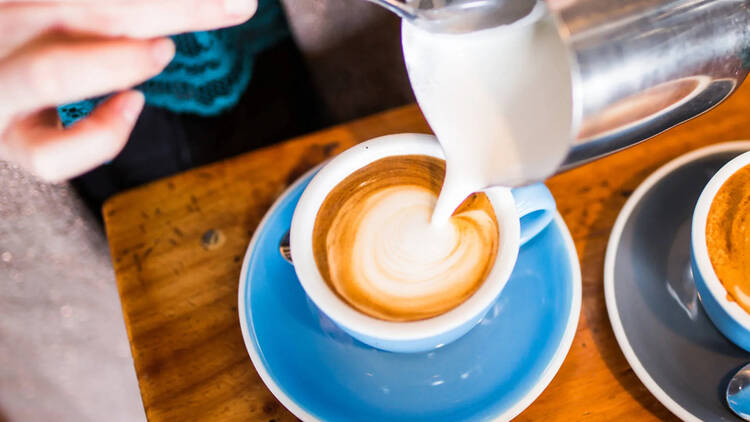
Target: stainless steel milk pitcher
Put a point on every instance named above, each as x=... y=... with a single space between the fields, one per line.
x=643 y=66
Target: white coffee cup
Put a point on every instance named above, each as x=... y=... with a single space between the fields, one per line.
x=521 y=214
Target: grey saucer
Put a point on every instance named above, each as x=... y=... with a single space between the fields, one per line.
x=668 y=340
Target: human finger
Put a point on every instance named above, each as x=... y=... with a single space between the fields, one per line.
x=57 y=70
x=54 y=153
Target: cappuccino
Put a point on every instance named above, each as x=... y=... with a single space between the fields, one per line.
x=728 y=236
x=375 y=247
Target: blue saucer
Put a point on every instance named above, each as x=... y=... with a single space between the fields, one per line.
x=494 y=372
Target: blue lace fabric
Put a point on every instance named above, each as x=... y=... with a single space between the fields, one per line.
x=210 y=70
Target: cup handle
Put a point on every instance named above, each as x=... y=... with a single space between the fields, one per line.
x=536 y=208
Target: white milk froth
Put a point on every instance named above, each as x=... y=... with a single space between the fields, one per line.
x=400 y=254
x=499 y=101
x=377 y=249
x=398 y=257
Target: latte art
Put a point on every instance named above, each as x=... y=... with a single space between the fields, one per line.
x=376 y=247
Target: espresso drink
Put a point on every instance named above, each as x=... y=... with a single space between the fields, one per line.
x=376 y=248
x=728 y=236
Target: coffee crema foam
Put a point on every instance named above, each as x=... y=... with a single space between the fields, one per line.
x=728 y=236
x=376 y=248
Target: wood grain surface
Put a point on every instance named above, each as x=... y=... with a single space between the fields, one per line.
x=177 y=246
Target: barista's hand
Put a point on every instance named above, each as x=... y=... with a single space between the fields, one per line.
x=54 y=52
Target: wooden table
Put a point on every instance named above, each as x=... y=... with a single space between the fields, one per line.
x=177 y=246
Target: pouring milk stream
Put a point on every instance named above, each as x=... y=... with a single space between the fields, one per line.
x=499 y=101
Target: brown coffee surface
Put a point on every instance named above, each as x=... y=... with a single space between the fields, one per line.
x=376 y=249
x=728 y=236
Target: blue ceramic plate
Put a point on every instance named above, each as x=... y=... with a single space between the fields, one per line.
x=494 y=372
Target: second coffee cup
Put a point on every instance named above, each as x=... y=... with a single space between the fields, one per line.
x=723 y=305
x=519 y=215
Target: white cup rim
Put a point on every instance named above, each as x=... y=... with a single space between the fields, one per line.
x=698 y=239
x=343 y=314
